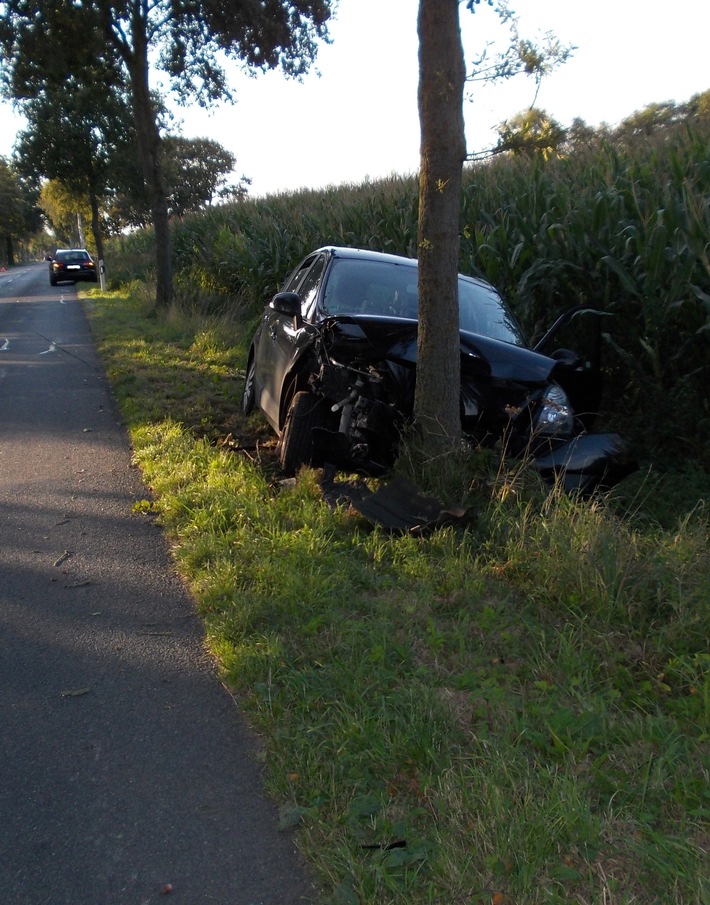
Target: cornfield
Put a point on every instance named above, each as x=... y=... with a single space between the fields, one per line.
x=623 y=227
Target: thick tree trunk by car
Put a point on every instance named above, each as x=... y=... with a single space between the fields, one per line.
x=443 y=150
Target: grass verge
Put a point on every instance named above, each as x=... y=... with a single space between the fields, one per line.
x=514 y=713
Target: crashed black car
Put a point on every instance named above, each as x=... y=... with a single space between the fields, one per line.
x=333 y=361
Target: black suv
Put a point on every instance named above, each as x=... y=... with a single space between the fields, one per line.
x=70 y=265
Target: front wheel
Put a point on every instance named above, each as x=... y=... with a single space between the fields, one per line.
x=296 y=447
x=249 y=394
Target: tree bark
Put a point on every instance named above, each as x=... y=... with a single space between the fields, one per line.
x=443 y=150
x=149 y=147
x=97 y=233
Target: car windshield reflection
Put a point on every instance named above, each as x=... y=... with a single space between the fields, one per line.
x=482 y=310
x=386 y=289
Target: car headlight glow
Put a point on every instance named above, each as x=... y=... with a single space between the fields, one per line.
x=554 y=417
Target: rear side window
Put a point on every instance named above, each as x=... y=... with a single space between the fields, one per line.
x=309 y=288
x=293 y=283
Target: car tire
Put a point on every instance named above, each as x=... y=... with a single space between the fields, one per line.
x=249 y=394
x=52 y=281
x=296 y=446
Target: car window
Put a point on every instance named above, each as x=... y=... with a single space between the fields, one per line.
x=482 y=310
x=293 y=283
x=72 y=256
x=371 y=287
x=308 y=289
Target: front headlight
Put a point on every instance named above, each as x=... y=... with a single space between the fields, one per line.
x=554 y=417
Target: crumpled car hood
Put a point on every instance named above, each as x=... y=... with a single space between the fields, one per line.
x=367 y=337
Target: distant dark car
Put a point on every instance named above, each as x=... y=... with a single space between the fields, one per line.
x=70 y=265
x=332 y=367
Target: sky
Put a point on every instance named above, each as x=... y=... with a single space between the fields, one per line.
x=356 y=118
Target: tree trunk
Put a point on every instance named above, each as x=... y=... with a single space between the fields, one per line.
x=81 y=243
x=97 y=234
x=443 y=150
x=149 y=148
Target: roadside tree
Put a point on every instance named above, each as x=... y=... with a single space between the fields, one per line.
x=66 y=212
x=19 y=218
x=196 y=173
x=442 y=77
x=532 y=133
x=196 y=170
x=77 y=129
x=185 y=39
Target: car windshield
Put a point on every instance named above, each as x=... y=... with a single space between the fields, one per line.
x=389 y=289
x=482 y=310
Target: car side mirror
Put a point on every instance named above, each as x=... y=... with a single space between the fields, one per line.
x=288 y=303
x=566 y=357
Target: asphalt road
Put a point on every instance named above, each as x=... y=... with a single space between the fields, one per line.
x=127 y=774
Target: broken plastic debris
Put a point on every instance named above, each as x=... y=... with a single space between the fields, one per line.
x=397 y=505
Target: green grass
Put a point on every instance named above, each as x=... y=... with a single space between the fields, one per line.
x=516 y=712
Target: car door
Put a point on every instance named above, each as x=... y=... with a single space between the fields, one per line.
x=282 y=338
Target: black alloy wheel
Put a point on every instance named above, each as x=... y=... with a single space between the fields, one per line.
x=296 y=447
x=249 y=395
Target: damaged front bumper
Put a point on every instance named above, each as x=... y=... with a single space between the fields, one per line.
x=583 y=465
x=587 y=463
